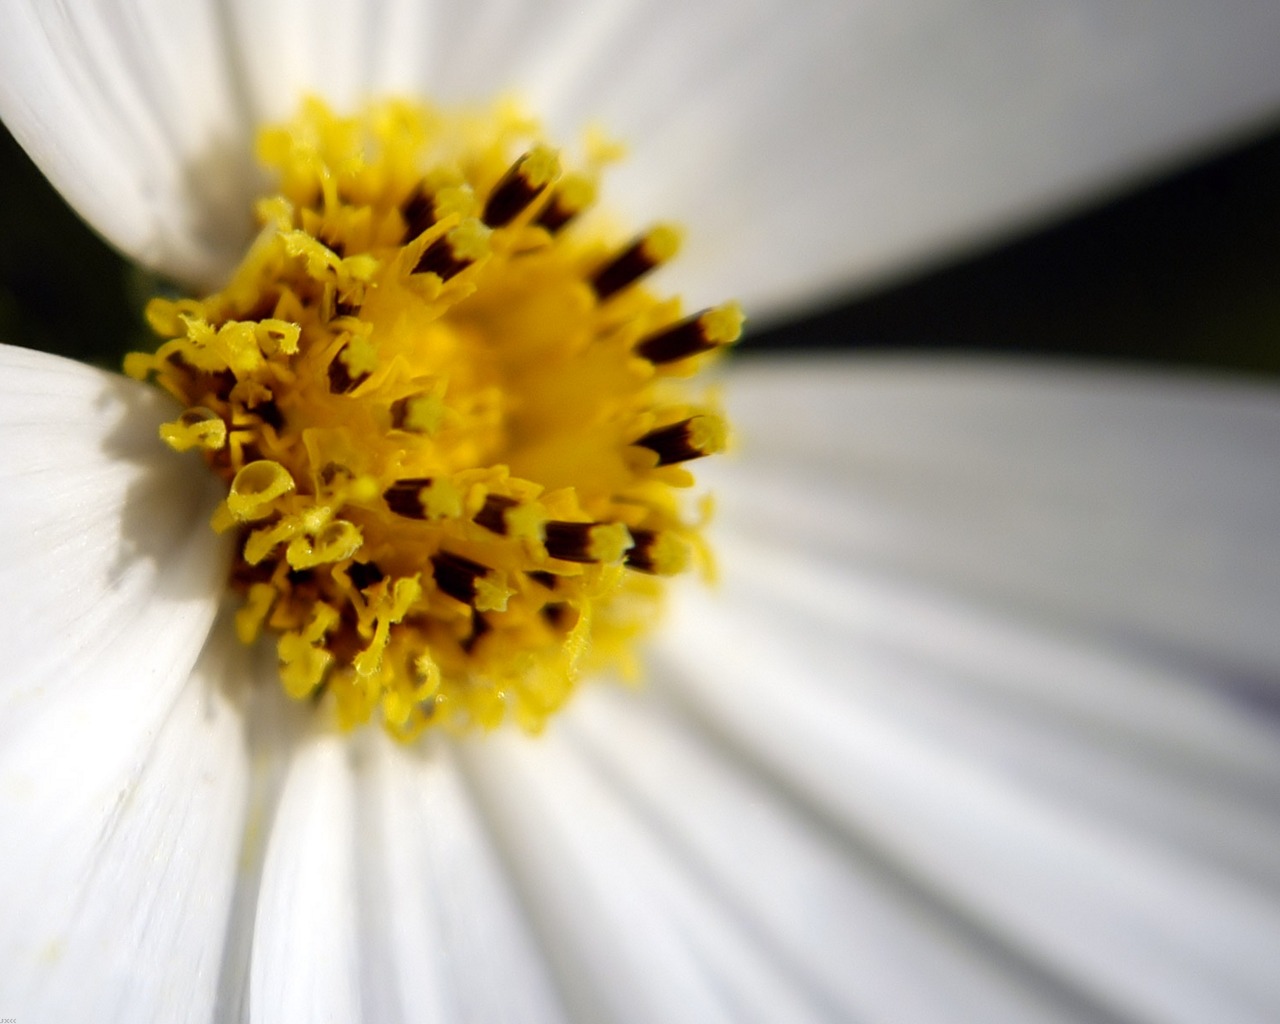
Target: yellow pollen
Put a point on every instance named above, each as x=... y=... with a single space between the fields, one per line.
x=450 y=416
x=662 y=243
x=723 y=326
x=469 y=241
x=576 y=192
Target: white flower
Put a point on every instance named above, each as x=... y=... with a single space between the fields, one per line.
x=981 y=724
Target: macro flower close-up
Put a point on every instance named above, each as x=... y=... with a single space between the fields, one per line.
x=433 y=619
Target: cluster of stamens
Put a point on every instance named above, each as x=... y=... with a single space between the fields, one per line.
x=449 y=414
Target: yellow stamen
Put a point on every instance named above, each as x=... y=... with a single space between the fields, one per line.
x=447 y=419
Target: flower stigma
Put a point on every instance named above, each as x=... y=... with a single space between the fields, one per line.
x=452 y=419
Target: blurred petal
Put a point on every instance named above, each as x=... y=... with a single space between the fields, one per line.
x=273 y=730
x=633 y=932
x=1141 y=508
x=1088 y=801
x=858 y=939
x=133 y=112
x=445 y=939
x=806 y=148
x=119 y=764
x=120 y=829
x=306 y=948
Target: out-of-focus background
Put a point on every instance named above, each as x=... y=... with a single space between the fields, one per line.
x=1182 y=270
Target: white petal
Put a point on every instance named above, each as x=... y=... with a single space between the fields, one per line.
x=818 y=148
x=1138 y=506
x=306 y=948
x=861 y=940
x=1121 y=919
x=132 y=109
x=444 y=938
x=111 y=573
x=274 y=729
x=808 y=149
x=1093 y=800
x=120 y=827
x=633 y=931
x=112 y=580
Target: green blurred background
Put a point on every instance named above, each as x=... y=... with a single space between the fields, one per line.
x=1184 y=271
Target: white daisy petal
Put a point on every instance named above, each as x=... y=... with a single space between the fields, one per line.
x=444 y=938
x=106 y=554
x=817 y=148
x=1130 y=922
x=132 y=111
x=120 y=829
x=1094 y=799
x=633 y=932
x=864 y=942
x=306 y=947
x=1119 y=503
x=273 y=729
x=807 y=149
x=289 y=49
x=114 y=577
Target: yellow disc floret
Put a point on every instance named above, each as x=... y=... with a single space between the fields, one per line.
x=448 y=415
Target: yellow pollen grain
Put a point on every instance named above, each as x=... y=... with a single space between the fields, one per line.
x=608 y=542
x=670 y=555
x=424 y=414
x=469 y=241
x=575 y=193
x=456 y=201
x=708 y=434
x=723 y=325
x=402 y=438
x=359 y=357
x=441 y=499
x=661 y=243
x=540 y=167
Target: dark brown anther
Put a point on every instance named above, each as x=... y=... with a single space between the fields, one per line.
x=341 y=379
x=479 y=627
x=418 y=212
x=343 y=308
x=546 y=579
x=439 y=258
x=555 y=215
x=624 y=269
x=571 y=196
x=642 y=555
x=527 y=178
x=570 y=542
x=656 y=553
x=679 y=341
x=641 y=256
x=493 y=514
x=457 y=576
x=454 y=251
x=404 y=497
x=689 y=439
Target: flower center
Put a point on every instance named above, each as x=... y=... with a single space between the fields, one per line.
x=451 y=418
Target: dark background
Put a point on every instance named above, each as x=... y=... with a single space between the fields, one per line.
x=1184 y=271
